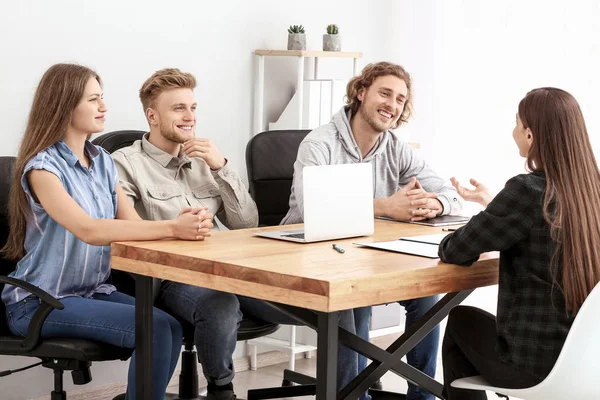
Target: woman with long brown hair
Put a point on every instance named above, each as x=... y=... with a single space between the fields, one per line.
x=66 y=206
x=546 y=225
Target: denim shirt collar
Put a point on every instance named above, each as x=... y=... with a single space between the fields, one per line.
x=70 y=157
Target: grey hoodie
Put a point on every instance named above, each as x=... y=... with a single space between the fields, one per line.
x=394 y=163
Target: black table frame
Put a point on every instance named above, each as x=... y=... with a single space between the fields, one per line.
x=328 y=335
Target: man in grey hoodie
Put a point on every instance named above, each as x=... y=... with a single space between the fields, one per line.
x=406 y=188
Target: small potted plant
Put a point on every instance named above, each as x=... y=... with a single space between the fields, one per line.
x=296 y=38
x=331 y=40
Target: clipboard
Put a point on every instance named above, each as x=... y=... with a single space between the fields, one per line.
x=444 y=220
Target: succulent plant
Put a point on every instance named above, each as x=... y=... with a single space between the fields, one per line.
x=332 y=29
x=296 y=29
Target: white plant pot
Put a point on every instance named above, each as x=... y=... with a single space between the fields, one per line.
x=332 y=42
x=296 y=41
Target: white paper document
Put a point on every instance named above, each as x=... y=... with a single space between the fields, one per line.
x=407 y=247
x=431 y=239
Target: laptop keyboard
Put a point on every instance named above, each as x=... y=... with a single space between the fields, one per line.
x=295 y=235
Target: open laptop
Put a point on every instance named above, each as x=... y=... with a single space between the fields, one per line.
x=338 y=203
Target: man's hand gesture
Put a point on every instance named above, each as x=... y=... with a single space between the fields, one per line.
x=206 y=150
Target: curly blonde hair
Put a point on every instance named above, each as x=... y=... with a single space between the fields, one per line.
x=366 y=79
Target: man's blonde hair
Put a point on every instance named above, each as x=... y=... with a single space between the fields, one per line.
x=165 y=79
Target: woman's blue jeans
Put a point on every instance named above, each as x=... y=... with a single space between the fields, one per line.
x=108 y=319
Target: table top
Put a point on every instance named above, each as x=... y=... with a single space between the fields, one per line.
x=313 y=276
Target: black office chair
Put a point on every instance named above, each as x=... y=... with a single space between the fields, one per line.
x=116 y=140
x=270 y=158
x=59 y=354
x=249 y=328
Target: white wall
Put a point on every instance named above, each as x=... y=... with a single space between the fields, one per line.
x=126 y=41
x=481 y=58
x=487 y=56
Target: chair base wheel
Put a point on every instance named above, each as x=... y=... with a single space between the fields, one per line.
x=62 y=395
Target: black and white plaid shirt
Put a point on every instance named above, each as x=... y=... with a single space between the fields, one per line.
x=531 y=323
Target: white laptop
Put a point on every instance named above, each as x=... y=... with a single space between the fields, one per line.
x=338 y=203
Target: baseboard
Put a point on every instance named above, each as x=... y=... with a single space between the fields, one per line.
x=108 y=392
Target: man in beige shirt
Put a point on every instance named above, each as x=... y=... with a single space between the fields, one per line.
x=171 y=169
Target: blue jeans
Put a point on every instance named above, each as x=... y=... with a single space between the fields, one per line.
x=109 y=319
x=216 y=317
x=347 y=367
x=362 y=319
x=423 y=356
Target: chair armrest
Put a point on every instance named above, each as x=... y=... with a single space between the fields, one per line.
x=48 y=303
x=42 y=294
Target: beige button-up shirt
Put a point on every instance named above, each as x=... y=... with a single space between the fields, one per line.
x=160 y=186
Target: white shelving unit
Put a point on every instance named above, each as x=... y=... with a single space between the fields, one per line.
x=290 y=347
x=259 y=125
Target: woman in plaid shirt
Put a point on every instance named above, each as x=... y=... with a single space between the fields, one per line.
x=546 y=225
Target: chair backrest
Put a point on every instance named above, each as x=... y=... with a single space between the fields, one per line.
x=112 y=142
x=576 y=370
x=270 y=158
x=7 y=165
x=116 y=140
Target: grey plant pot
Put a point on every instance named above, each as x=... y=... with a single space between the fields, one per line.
x=296 y=41
x=332 y=42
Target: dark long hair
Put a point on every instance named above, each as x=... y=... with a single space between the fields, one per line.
x=561 y=149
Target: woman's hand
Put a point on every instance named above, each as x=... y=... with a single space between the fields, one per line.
x=479 y=195
x=193 y=224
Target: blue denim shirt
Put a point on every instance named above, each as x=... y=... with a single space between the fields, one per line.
x=55 y=260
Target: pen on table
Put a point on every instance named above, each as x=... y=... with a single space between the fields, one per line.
x=448 y=229
x=338 y=248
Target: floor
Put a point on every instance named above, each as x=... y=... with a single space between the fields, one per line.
x=271 y=376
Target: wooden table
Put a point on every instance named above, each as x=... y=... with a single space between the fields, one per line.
x=310 y=276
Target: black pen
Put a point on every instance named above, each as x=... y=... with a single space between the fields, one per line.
x=448 y=229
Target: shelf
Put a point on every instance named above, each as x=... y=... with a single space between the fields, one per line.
x=308 y=53
x=282 y=344
x=301 y=55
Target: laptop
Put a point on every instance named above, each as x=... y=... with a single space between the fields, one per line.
x=338 y=203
